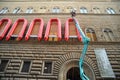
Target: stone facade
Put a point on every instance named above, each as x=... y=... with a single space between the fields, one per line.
x=63 y=55
x=37 y=6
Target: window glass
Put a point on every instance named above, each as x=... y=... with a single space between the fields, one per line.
x=25 y=66
x=1 y=11
x=48 y=67
x=108 y=34
x=29 y=10
x=110 y=11
x=16 y=10
x=4 y=10
x=91 y=34
x=56 y=10
x=83 y=10
x=3 y=65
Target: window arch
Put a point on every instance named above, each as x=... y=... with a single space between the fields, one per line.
x=108 y=34
x=69 y=9
x=43 y=9
x=16 y=10
x=56 y=10
x=91 y=34
x=83 y=10
x=29 y=10
x=110 y=11
x=4 y=10
x=96 y=10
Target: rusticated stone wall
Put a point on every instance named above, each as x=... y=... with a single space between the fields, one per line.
x=58 y=52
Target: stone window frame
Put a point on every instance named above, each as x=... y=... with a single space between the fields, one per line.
x=6 y=64
x=91 y=31
x=43 y=8
x=110 y=10
x=96 y=10
x=69 y=8
x=56 y=9
x=4 y=10
x=83 y=10
x=108 y=34
x=16 y=10
x=21 y=66
x=29 y=10
x=43 y=67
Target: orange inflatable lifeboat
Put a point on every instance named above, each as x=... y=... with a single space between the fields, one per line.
x=5 y=24
x=53 y=30
x=71 y=30
x=35 y=29
x=18 y=29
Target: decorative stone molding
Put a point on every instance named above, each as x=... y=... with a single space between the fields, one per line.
x=66 y=63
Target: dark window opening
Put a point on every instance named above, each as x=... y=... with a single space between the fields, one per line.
x=48 y=67
x=3 y=65
x=13 y=38
x=26 y=66
x=73 y=74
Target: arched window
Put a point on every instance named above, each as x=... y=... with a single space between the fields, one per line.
x=69 y=9
x=108 y=34
x=91 y=34
x=56 y=10
x=4 y=10
x=29 y=10
x=110 y=11
x=83 y=10
x=96 y=10
x=43 y=9
x=16 y=10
